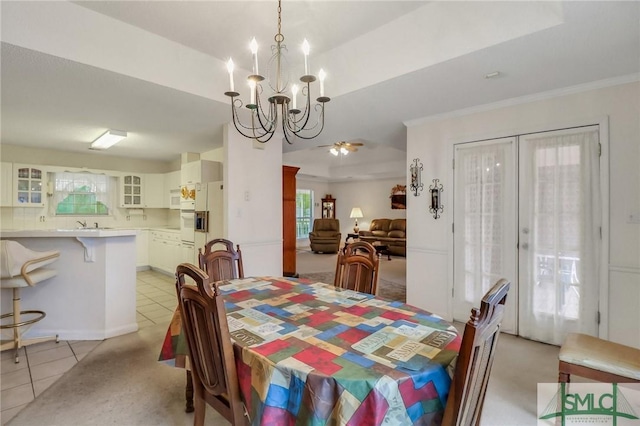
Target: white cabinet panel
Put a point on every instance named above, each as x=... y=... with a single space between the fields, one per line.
x=6 y=184
x=201 y=171
x=142 y=248
x=153 y=190
x=165 y=251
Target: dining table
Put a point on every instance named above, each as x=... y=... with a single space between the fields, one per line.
x=309 y=353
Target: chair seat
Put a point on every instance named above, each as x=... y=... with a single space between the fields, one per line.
x=16 y=259
x=602 y=355
x=36 y=276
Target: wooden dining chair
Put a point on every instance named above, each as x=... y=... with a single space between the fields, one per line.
x=221 y=263
x=210 y=349
x=357 y=268
x=473 y=365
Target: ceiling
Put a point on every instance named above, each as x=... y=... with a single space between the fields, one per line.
x=71 y=70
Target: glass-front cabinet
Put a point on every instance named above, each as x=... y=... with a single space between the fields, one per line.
x=131 y=191
x=30 y=184
x=328 y=207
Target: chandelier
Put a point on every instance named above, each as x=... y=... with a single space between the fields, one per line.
x=280 y=106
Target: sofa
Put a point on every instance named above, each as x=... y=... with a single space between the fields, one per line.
x=391 y=232
x=325 y=236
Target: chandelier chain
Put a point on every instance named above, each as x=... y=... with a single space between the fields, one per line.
x=279 y=38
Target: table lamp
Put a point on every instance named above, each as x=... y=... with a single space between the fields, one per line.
x=356 y=213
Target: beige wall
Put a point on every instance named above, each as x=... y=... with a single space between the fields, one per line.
x=429 y=277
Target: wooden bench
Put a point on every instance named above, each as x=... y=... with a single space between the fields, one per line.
x=599 y=360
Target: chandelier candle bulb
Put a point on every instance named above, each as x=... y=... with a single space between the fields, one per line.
x=252 y=86
x=230 y=69
x=305 y=50
x=294 y=93
x=254 y=51
x=322 y=76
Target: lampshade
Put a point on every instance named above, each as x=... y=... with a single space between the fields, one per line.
x=356 y=213
x=108 y=139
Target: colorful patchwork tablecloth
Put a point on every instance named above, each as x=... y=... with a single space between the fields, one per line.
x=309 y=353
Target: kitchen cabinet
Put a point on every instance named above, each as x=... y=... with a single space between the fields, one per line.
x=131 y=191
x=172 y=189
x=6 y=183
x=201 y=171
x=154 y=195
x=142 y=248
x=29 y=185
x=165 y=250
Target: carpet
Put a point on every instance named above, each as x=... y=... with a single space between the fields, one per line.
x=120 y=382
x=386 y=289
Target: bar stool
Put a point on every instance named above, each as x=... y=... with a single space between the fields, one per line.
x=21 y=267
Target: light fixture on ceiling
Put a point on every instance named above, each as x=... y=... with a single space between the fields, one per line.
x=108 y=139
x=356 y=213
x=343 y=147
x=280 y=106
x=339 y=150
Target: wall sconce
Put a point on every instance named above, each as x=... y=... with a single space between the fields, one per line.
x=416 y=177
x=436 y=207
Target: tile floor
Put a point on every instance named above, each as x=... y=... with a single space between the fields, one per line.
x=43 y=363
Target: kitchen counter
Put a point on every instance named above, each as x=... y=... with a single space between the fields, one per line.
x=93 y=297
x=80 y=232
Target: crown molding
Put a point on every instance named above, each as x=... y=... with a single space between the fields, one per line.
x=579 y=88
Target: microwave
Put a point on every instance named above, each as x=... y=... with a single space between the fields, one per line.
x=174 y=199
x=188 y=197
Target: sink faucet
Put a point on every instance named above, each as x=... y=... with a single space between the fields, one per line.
x=83 y=224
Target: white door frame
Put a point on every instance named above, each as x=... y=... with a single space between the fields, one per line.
x=603 y=123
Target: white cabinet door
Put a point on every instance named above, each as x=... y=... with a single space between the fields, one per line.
x=154 y=194
x=29 y=187
x=6 y=183
x=172 y=181
x=131 y=191
x=155 y=249
x=142 y=248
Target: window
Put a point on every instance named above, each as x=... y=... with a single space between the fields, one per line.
x=84 y=194
x=304 y=208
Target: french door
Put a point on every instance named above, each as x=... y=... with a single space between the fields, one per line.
x=528 y=209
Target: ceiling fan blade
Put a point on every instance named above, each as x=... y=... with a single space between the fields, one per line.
x=354 y=144
x=351 y=148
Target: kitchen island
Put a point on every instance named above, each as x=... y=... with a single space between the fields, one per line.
x=93 y=297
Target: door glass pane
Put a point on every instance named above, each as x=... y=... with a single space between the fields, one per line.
x=484 y=220
x=559 y=198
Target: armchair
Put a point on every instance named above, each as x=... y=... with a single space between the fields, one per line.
x=325 y=236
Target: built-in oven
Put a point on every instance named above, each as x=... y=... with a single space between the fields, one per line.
x=187 y=226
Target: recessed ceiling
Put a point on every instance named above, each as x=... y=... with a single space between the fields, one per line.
x=154 y=69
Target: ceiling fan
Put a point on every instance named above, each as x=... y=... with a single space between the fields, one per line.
x=343 y=147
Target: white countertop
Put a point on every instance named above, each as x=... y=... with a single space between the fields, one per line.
x=58 y=233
